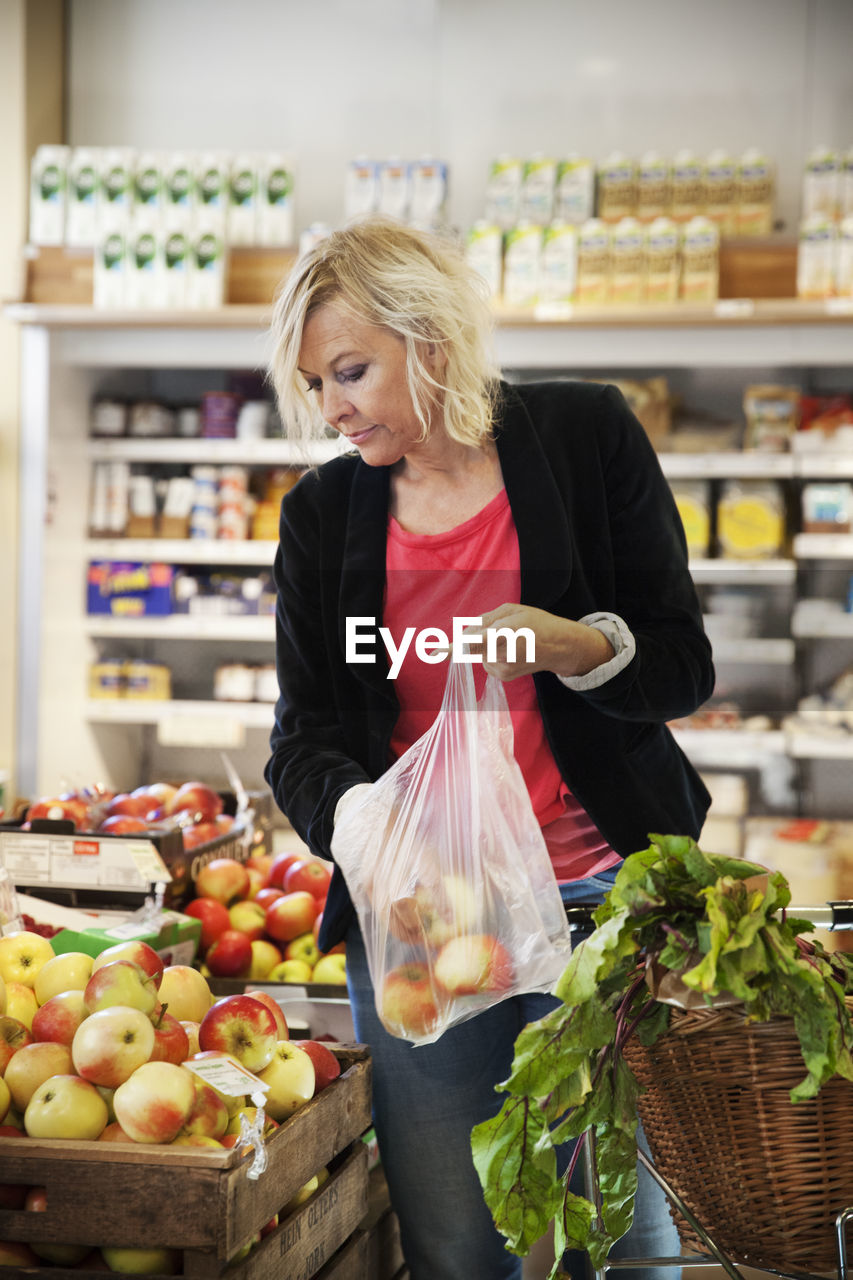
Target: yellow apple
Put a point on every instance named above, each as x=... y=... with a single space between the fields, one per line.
x=331 y=968
x=303 y=947
x=304 y=1193
x=265 y=956
x=66 y=1107
x=191 y=1029
x=22 y=954
x=2 y=997
x=110 y=1044
x=142 y=1262
x=185 y=992
x=154 y=1104
x=32 y=1065
x=21 y=1003
x=291 y=1080
x=290 y=971
x=5 y=1099
x=69 y=971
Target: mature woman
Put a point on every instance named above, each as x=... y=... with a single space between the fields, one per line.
x=542 y=505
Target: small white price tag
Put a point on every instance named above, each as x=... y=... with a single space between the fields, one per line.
x=734 y=308
x=553 y=311
x=226 y=1075
x=201 y=731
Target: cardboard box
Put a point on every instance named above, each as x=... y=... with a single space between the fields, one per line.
x=129 y=589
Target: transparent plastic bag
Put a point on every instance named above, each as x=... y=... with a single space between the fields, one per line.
x=449 y=874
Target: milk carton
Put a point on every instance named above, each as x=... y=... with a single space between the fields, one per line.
x=754 y=194
x=179 y=188
x=175 y=263
x=700 y=261
x=361 y=188
x=654 y=187
x=206 y=276
x=484 y=252
x=110 y=267
x=48 y=188
x=617 y=188
x=558 y=270
x=538 y=186
x=275 y=223
x=627 y=240
x=116 y=188
x=428 y=193
x=661 y=259
x=144 y=246
x=687 y=186
x=816 y=250
x=394 y=189
x=522 y=255
x=847 y=184
x=148 y=186
x=83 y=195
x=211 y=190
x=243 y=214
x=503 y=191
x=718 y=181
x=593 y=280
x=822 y=184
x=574 y=200
x=844 y=259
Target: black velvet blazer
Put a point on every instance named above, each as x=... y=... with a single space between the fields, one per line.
x=598 y=530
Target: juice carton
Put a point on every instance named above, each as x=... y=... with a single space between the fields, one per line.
x=242 y=198
x=116 y=187
x=654 y=187
x=822 y=184
x=484 y=252
x=627 y=239
x=558 y=270
x=275 y=224
x=593 y=282
x=394 y=189
x=361 y=189
x=661 y=261
x=211 y=189
x=754 y=194
x=110 y=267
x=844 y=259
x=83 y=195
x=700 y=261
x=179 y=187
x=816 y=250
x=175 y=263
x=538 y=185
x=48 y=189
x=687 y=186
x=574 y=199
x=148 y=185
x=503 y=191
x=144 y=247
x=206 y=277
x=617 y=188
x=522 y=258
x=428 y=203
x=718 y=180
x=847 y=184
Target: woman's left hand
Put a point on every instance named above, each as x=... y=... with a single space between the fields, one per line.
x=546 y=643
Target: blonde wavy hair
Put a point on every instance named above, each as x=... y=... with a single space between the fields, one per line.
x=418 y=286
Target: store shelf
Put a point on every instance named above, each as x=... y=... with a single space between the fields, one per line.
x=751 y=572
x=257 y=715
x=736 y=748
x=823 y=546
x=183 y=626
x=270 y=452
x=820 y=746
x=773 y=652
x=183 y=550
x=824 y=621
x=725 y=464
x=822 y=464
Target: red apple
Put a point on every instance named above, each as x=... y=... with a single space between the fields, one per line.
x=274 y=1008
x=58 y=810
x=247 y=917
x=266 y=897
x=122 y=824
x=290 y=915
x=326 y=1066
x=409 y=1005
x=128 y=805
x=224 y=879
x=213 y=916
x=13 y=1036
x=171 y=1042
x=114 y=1133
x=242 y=1026
x=154 y=1103
x=310 y=874
x=197 y=798
x=279 y=866
x=15 y=1254
x=472 y=963
x=261 y=862
x=121 y=982
x=61 y=1255
x=59 y=1017
x=209 y=1114
x=111 y=1043
x=160 y=794
x=137 y=952
x=196 y=833
x=230 y=956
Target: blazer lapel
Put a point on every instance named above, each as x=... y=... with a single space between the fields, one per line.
x=538 y=506
x=363 y=570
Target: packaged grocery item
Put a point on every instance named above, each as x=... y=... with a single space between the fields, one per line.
x=233 y=515
x=266 y=683
x=275 y=225
x=129 y=590
x=175 y=264
x=574 y=199
x=846 y=196
x=700 y=261
x=522 y=257
x=361 y=188
x=484 y=252
x=118 y=499
x=772 y=415
x=616 y=195
x=626 y=262
x=146 y=679
x=109 y=418
x=243 y=198
x=654 y=187
x=98 y=500
x=650 y=401
x=206 y=274
x=751 y=519
x=394 y=189
x=109 y=269
x=116 y=201
x=83 y=195
x=559 y=263
x=150 y=419
x=816 y=257
x=503 y=191
x=593 y=280
x=48 y=194
x=234 y=682
x=428 y=193
x=844 y=259
x=142 y=507
x=827 y=507
x=147 y=178
x=106 y=678
x=661 y=261
x=718 y=191
x=538 y=186
x=688 y=186
x=174 y=519
x=211 y=190
x=754 y=182
x=179 y=187
x=822 y=184
x=693 y=499
x=144 y=284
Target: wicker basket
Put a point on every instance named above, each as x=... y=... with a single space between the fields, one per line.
x=764 y=1176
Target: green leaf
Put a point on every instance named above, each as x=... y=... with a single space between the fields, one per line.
x=519 y=1180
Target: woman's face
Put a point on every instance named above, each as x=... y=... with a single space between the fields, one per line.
x=357 y=371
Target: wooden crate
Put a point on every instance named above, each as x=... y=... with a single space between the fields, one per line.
x=202 y=1201
x=384 y=1251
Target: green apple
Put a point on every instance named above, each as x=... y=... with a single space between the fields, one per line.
x=142 y=1262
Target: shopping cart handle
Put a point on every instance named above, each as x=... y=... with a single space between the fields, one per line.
x=835 y=916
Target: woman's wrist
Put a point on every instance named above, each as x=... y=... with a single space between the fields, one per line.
x=587 y=648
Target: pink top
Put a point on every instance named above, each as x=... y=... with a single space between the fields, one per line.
x=432 y=578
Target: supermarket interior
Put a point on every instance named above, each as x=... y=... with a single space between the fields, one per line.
x=657 y=196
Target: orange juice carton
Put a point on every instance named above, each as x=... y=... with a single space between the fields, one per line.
x=593 y=278
x=616 y=195
x=822 y=184
x=484 y=252
x=754 y=186
x=503 y=191
x=575 y=192
x=718 y=191
x=688 y=188
x=558 y=269
x=816 y=257
x=661 y=261
x=654 y=187
x=538 y=187
x=522 y=261
x=626 y=262
x=700 y=261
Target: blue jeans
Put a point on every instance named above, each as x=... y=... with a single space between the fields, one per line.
x=426 y=1101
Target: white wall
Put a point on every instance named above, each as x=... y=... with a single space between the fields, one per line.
x=462 y=79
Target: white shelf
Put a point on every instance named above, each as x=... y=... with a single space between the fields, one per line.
x=275 y=453
x=738 y=748
x=773 y=652
x=823 y=546
x=829 y=622
x=184 y=626
x=183 y=550
x=257 y=715
x=758 y=572
x=818 y=746
x=721 y=465
x=822 y=464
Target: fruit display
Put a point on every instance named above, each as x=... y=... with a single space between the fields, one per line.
x=194 y=808
x=115 y=1048
x=260 y=920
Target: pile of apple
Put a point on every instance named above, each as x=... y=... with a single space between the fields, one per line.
x=260 y=919
x=101 y=1049
x=194 y=807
